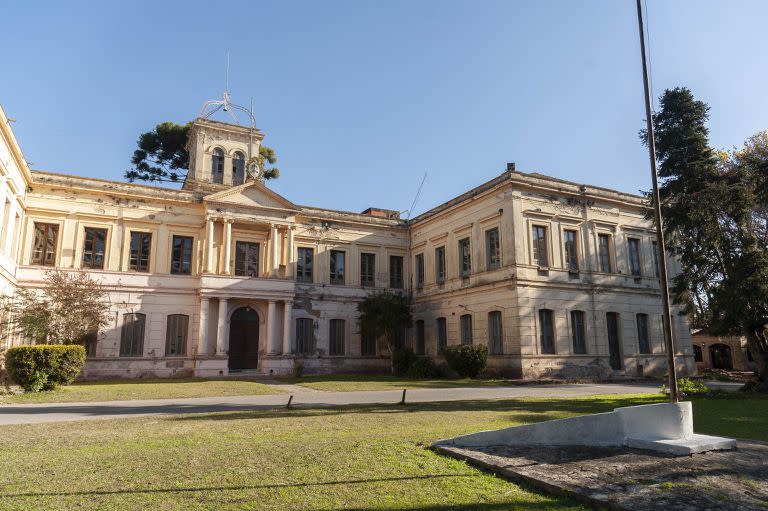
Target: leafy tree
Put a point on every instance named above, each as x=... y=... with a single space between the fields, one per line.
x=67 y=310
x=382 y=315
x=162 y=156
x=714 y=205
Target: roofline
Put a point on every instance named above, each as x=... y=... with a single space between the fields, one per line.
x=13 y=145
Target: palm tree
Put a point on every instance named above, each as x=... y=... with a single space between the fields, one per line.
x=383 y=315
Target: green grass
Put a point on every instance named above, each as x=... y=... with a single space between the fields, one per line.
x=353 y=382
x=364 y=458
x=113 y=390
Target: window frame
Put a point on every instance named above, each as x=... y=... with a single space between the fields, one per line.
x=367 y=269
x=180 y=345
x=608 y=256
x=304 y=273
x=465 y=257
x=440 y=265
x=495 y=343
x=547 y=336
x=492 y=253
x=571 y=250
x=184 y=239
x=139 y=255
x=465 y=328
x=93 y=252
x=337 y=276
x=304 y=325
x=45 y=250
x=635 y=259
x=245 y=268
x=579 y=335
x=656 y=266
x=132 y=348
x=235 y=163
x=642 y=326
x=442 y=334
x=217 y=165
x=396 y=274
x=419 y=263
x=421 y=338
x=540 y=245
x=337 y=347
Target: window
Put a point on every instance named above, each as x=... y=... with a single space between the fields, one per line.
x=421 y=342
x=238 y=168
x=305 y=338
x=89 y=340
x=578 y=333
x=304 y=264
x=367 y=343
x=336 y=335
x=176 y=334
x=396 y=272
x=644 y=343
x=419 y=271
x=400 y=338
x=547 y=331
x=132 y=335
x=466 y=329
x=698 y=356
x=656 y=259
x=93 y=248
x=539 y=239
x=217 y=166
x=495 y=333
x=465 y=257
x=6 y=221
x=140 y=246
x=246 y=259
x=44 y=250
x=492 y=249
x=604 y=252
x=181 y=255
x=442 y=334
x=367 y=269
x=571 y=251
x=337 y=267
x=440 y=265
x=634 y=256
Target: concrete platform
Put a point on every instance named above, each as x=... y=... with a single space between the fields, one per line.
x=684 y=446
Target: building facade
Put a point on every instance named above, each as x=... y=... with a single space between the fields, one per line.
x=226 y=276
x=729 y=353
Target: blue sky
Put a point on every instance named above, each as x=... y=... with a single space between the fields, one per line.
x=360 y=98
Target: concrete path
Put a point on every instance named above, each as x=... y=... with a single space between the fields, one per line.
x=56 y=412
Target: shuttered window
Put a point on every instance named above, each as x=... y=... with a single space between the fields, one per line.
x=442 y=334
x=132 y=335
x=495 y=333
x=634 y=256
x=421 y=342
x=440 y=265
x=367 y=269
x=466 y=329
x=419 y=271
x=578 y=333
x=396 y=272
x=571 y=251
x=176 y=334
x=547 y=331
x=336 y=335
x=492 y=249
x=465 y=257
x=604 y=252
x=305 y=336
x=643 y=339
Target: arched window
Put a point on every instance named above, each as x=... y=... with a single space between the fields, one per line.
x=217 y=166
x=238 y=168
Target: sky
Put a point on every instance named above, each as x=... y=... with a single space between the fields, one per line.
x=361 y=98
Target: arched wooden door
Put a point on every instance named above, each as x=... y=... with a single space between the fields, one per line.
x=244 y=339
x=720 y=354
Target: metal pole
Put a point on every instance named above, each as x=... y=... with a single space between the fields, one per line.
x=663 y=282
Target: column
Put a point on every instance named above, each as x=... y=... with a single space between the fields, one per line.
x=222 y=337
x=275 y=246
x=290 y=264
x=209 y=246
x=271 y=330
x=227 y=244
x=287 y=324
x=205 y=314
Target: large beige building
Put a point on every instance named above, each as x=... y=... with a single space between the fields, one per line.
x=225 y=275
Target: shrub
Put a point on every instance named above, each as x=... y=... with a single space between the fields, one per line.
x=467 y=361
x=402 y=360
x=423 y=368
x=44 y=366
x=688 y=387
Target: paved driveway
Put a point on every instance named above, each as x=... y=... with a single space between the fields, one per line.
x=53 y=412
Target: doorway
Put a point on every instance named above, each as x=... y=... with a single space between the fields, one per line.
x=244 y=339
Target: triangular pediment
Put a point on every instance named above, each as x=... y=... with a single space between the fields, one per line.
x=251 y=194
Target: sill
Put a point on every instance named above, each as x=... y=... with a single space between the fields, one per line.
x=543 y=272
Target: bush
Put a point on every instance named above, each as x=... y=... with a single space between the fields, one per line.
x=423 y=368
x=402 y=360
x=44 y=366
x=467 y=361
x=688 y=387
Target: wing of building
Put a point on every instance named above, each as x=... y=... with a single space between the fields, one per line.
x=557 y=279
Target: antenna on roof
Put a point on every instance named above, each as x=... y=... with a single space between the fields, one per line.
x=416 y=198
x=224 y=104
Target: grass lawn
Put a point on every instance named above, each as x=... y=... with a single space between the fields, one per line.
x=143 y=389
x=352 y=382
x=364 y=458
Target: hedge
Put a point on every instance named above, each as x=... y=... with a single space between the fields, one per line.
x=467 y=360
x=44 y=366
